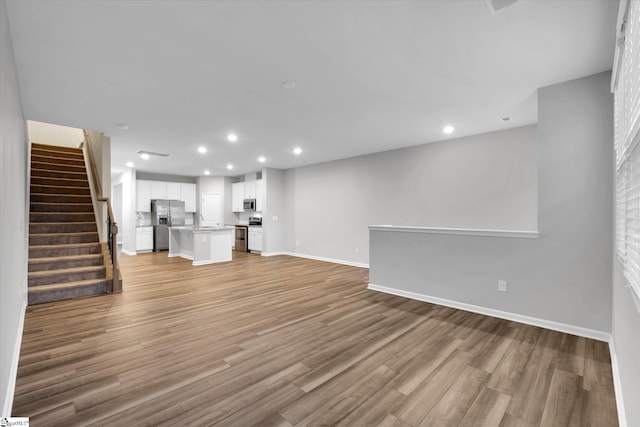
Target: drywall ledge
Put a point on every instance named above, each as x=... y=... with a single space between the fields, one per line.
x=457 y=231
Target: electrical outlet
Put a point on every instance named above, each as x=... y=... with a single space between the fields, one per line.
x=357 y=249
x=502 y=285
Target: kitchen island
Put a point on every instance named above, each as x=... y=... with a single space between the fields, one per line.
x=202 y=245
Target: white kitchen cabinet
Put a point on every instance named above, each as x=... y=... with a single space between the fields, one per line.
x=174 y=191
x=255 y=239
x=250 y=189
x=158 y=190
x=237 y=197
x=189 y=197
x=144 y=239
x=143 y=196
x=260 y=195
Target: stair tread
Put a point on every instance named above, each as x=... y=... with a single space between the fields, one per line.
x=45 y=273
x=63 y=233
x=64 y=245
x=66 y=285
x=63 y=258
x=61 y=223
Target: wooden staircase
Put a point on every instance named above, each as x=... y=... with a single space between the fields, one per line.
x=66 y=258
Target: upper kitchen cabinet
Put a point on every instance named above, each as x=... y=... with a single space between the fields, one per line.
x=143 y=196
x=174 y=191
x=158 y=190
x=189 y=197
x=237 y=197
x=250 y=189
x=259 y=195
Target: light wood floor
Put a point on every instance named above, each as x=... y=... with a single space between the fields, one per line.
x=283 y=341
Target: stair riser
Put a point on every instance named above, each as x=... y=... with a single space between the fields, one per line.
x=36 y=252
x=59 y=207
x=66 y=277
x=57 y=295
x=59 y=198
x=62 y=227
x=59 y=265
x=61 y=217
x=48 y=189
x=62 y=239
x=44 y=165
x=58 y=174
x=35 y=180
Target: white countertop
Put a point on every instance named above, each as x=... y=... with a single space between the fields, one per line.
x=197 y=229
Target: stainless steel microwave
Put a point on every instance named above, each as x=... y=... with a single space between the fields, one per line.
x=249 y=204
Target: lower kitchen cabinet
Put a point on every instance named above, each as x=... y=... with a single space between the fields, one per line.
x=255 y=239
x=144 y=239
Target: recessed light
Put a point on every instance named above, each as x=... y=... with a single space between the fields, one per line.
x=232 y=137
x=261 y=159
x=229 y=166
x=297 y=150
x=144 y=156
x=207 y=172
x=130 y=164
x=288 y=85
x=448 y=129
x=202 y=150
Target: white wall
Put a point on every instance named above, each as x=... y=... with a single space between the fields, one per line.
x=482 y=181
x=275 y=217
x=128 y=224
x=626 y=340
x=50 y=134
x=564 y=275
x=13 y=217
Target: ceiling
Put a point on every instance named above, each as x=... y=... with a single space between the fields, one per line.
x=369 y=76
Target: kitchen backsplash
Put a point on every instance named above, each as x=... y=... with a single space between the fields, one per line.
x=143 y=219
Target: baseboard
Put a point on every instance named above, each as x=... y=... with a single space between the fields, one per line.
x=617 y=384
x=273 y=253
x=333 y=260
x=126 y=252
x=7 y=405
x=547 y=324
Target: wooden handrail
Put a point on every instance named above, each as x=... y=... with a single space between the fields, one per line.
x=112 y=226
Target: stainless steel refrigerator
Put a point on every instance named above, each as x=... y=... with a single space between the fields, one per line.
x=165 y=214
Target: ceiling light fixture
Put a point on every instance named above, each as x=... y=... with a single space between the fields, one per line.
x=150 y=153
x=232 y=137
x=261 y=159
x=202 y=150
x=207 y=172
x=448 y=129
x=130 y=164
x=229 y=166
x=297 y=151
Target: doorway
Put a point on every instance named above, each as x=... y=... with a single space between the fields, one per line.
x=211 y=210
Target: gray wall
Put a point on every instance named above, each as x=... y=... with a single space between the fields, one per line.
x=13 y=211
x=564 y=275
x=626 y=339
x=275 y=216
x=482 y=181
